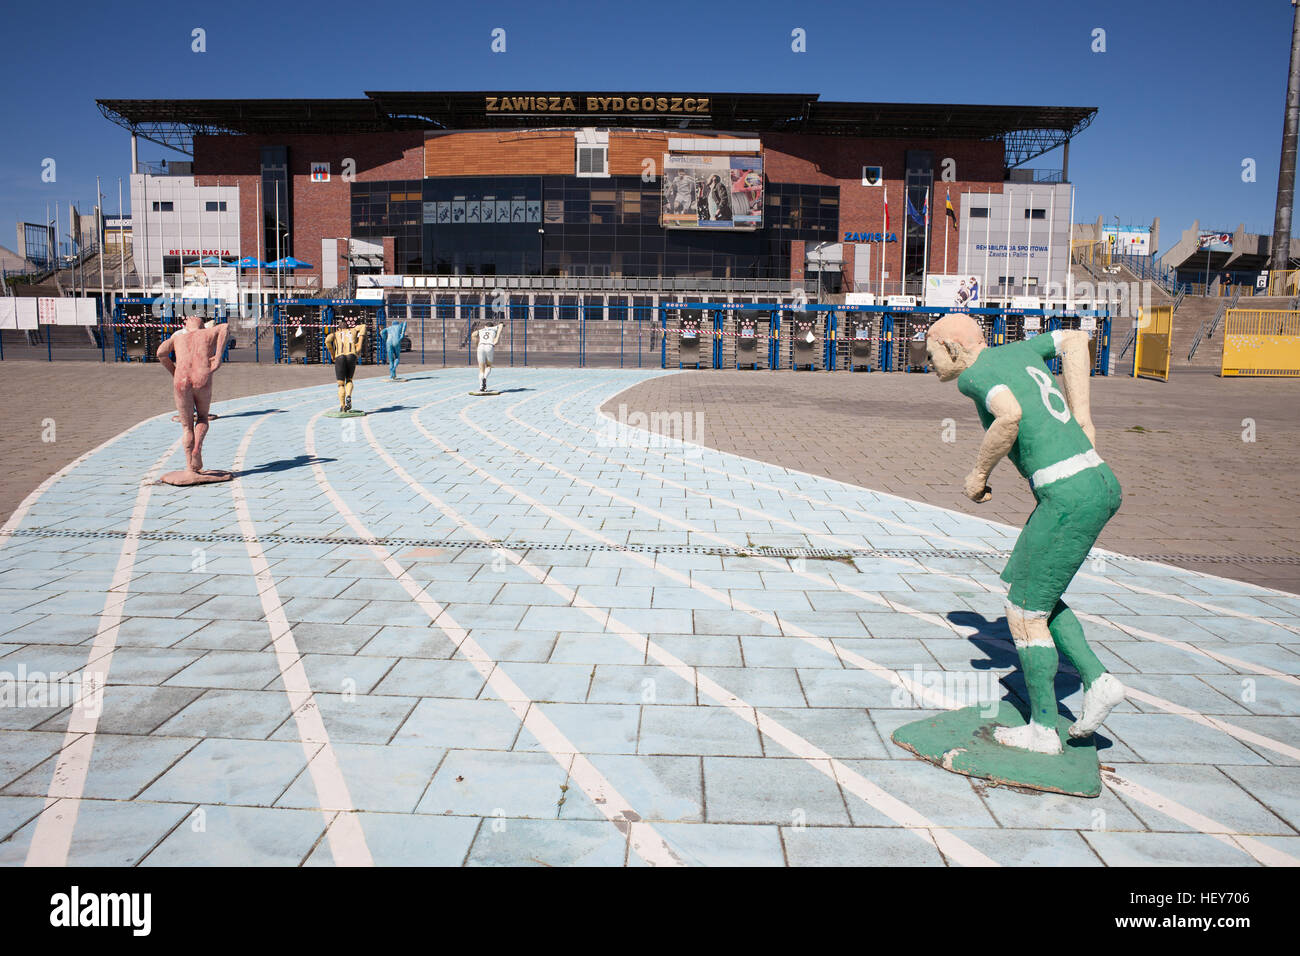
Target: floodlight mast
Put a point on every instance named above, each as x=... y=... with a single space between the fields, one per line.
x=1286 y=167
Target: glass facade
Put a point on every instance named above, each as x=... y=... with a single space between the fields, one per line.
x=920 y=178
x=277 y=211
x=567 y=225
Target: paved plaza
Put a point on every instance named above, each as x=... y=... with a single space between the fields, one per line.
x=509 y=631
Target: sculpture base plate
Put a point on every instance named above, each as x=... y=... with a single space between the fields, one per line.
x=352 y=414
x=212 y=417
x=962 y=741
x=394 y=380
x=184 y=479
x=484 y=393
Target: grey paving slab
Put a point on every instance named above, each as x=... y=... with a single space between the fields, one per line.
x=445 y=773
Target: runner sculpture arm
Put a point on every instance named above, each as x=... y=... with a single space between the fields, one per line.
x=999 y=438
x=223 y=331
x=164 y=355
x=1072 y=346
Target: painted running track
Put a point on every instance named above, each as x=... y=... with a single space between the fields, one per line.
x=506 y=631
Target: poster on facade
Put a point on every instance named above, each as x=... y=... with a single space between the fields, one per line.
x=194 y=283
x=320 y=172
x=533 y=210
x=952 y=292
x=1131 y=240
x=472 y=211
x=555 y=210
x=712 y=192
x=503 y=210
x=458 y=211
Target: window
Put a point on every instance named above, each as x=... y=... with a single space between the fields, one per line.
x=1035 y=213
x=979 y=212
x=219 y=206
x=593 y=161
x=162 y=207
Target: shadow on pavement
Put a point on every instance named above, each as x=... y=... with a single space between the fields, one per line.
x=283 y=464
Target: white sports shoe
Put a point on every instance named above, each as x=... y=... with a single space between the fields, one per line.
x=1098 y=701
x=1032 y=736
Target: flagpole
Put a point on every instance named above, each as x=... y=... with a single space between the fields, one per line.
x=884 y=241
x=1007 y=192
x=261 y=251
x=947 y=200
x=1069 y=265
x=1029 y=239
x=121 y=245
x=925 y=244
x=988 y=232
x=965 y=244
x=907 y=214
x=1051 y=218
x=99 y=229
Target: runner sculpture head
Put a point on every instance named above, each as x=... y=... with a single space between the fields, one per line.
x=952 y=343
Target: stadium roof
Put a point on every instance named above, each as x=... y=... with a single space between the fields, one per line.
x=1028 y=131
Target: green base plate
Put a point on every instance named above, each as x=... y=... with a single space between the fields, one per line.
x=484 y=393
x=962 y=741
x=352 y=414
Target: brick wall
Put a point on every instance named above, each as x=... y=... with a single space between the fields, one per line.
x=320 y=210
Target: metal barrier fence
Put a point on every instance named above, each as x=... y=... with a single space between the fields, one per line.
x=1261 y=343
x=564 y=332
x=1155 y=329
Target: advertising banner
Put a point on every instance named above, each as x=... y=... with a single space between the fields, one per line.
x=1131 y=240
x=1215 y=241
x=956 y=292
x=712 y=192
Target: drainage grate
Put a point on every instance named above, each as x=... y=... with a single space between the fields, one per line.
x=814 y=554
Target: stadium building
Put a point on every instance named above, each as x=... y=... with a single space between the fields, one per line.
x=627 y=194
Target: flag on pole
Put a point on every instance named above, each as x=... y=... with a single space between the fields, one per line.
x=952 y=213
x=886 y=209
x=925 y=209
x=911 y=211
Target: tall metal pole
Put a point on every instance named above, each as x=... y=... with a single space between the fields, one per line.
x=1286 y=167
x=988 y=232
x=121 y=243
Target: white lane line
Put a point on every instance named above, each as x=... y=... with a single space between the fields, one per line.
x=52 y=838
x=949 y=845
x=598 y=413
x=347 y=840
x=1233 y=662
x=641 y=837
x=933 y=696
x=847 y=511
x=1261 y=851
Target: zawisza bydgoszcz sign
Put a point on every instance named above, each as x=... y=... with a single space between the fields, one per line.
x=581 y=105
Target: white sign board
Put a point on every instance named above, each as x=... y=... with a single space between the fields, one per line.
x=8 y=312
x=27 y=313
x=859 y=298
x=45 y=310
x=960 y=292
x=86 y=313
x=65 y=311
x=1088 y=323
x=904 y=300
x=1026 y=302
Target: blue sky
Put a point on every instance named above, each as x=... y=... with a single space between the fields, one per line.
x=1186 y=90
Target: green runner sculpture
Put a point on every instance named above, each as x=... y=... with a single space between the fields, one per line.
x=1049 y=437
